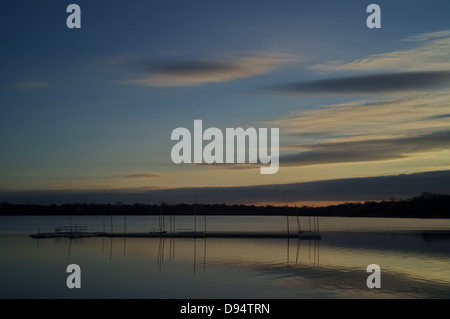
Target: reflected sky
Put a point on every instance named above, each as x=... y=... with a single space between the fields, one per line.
x=334 y=267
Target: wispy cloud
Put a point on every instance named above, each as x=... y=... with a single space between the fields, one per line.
x=32 y=85
x=189 y=72
x=432 y=53
x=428 y=36
x=378 y=83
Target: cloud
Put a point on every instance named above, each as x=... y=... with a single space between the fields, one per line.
x=437 y=117
x=366 y=150
x=365 y=84
x=428 y=36
x=189 y=72
x=352 y=189
x=433 y=53
x=412 y=114
x=144 y=175
x=404 y=127
x=32 y=85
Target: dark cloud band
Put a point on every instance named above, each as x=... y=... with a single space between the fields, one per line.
x=378 y=83
x=366 y=150
x=351 y=189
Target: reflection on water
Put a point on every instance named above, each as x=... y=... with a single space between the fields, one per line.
x=414 y=264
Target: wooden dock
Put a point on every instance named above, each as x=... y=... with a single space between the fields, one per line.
x=305 y=235
x=82 y=231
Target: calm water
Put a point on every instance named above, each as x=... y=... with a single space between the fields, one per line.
x=414 y=256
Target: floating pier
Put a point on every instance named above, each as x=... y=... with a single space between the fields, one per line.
x=194 y=234
x=82 y=231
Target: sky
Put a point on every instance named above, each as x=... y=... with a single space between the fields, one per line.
x=87 y=113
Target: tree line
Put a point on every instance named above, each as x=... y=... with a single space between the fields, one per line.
x=426 y=205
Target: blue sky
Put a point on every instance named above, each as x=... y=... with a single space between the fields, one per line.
x=93 y=108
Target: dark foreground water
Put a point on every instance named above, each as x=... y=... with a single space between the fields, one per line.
x=413 y=254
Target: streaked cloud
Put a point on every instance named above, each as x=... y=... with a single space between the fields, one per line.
x=189 y=72
x=402 y=116
x=370 y=84
x=32 y=85
x=428 y=36
x=403 y=127
x=432 y=52
x=366 y=150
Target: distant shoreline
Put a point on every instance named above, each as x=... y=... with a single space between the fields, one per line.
x=427 y=205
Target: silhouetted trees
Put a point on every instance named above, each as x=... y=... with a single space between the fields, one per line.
x=426 y=205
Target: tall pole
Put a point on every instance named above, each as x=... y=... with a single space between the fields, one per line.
x=287 y=218
x=314 y=220
x=287 y=224
x=195 y=214
x=298 y=221
x=318 y=230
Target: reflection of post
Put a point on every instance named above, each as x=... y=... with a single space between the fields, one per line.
x=195 y=253
x=173 y=249
x=124 y=233
x=287 y=258
x=103 y=245
x=298 y=250
x=315 y=248
x=204 y=255
x=160 y=258
x=309 y=251
x=110 y=248
x=70 y=245
x=318 y=251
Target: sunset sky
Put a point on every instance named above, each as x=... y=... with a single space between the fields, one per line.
x=91 y=111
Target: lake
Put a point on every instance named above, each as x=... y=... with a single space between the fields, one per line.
x=413 y=255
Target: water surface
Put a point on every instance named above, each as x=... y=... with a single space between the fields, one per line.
x=414 y=256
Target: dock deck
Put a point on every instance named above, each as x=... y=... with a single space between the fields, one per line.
x=308 y=235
